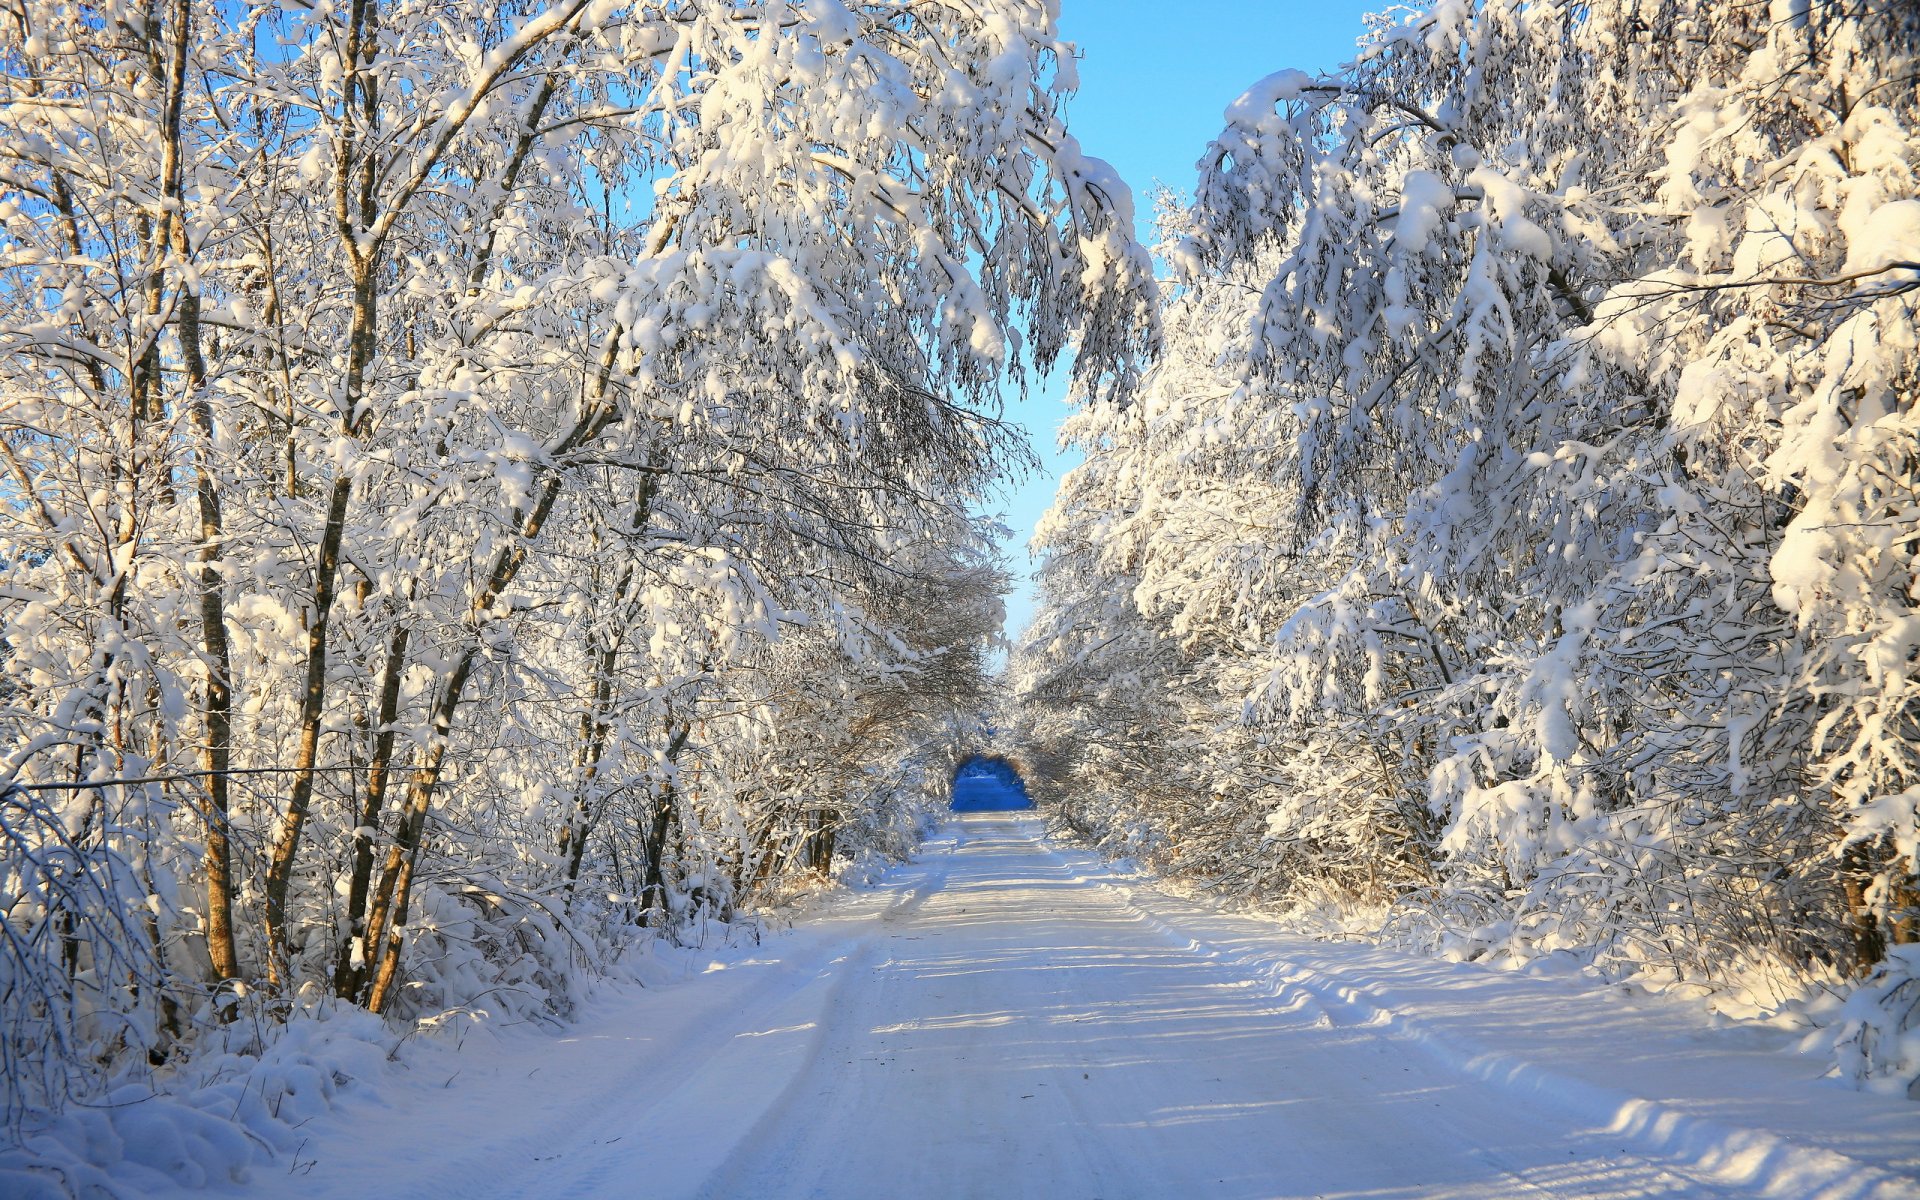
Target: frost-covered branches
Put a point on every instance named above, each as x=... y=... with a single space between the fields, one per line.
x=1525 y=494
x=470 y=460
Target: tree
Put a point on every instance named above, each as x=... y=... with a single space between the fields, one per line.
x=446 y=445
x=1519 y=497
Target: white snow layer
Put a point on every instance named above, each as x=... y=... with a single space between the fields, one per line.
x=1006 y=1017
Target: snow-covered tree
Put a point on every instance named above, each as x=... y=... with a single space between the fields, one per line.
x=1526 y=489
x=446 y=445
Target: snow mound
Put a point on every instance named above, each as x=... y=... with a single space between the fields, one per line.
x=1877 y=1044
x=226 y=1114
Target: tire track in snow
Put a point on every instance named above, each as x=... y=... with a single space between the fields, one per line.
x=1006 y=1019
x=1099 y=1140
x=1749 y=1159
x=748 y=1071
x=824 y=1114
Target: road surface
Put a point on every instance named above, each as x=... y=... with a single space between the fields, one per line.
x=1004 y=1018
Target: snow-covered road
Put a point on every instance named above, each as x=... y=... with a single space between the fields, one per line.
x=1004 y=1018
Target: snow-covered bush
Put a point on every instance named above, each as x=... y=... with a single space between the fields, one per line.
x=236 y=1107
x=1878 y=1042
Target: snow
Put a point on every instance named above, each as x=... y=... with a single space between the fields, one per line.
x=1510 y=536
x=832 y=22
x=1425 y=201
x=1890 y=235
x=225 y=1119
x=1546 y=583
x=1254 y=108
x=1010 y=1017
x=1507 y=201
x=1878 y=1040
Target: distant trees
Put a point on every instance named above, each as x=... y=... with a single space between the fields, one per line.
x=1519 y=529
x=476 y=470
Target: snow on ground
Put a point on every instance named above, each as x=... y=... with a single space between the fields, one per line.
x=1004 y=1017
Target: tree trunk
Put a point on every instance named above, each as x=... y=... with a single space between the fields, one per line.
x=596 y=722
x=386 y=927
x=355 y=956
x=1859 y=863
x=820 y=842
x=653 y=878
x=390 y=904
x=217 y=861
x=286 y=844
x=355 y=209
x=659 y=830
x=594 y=727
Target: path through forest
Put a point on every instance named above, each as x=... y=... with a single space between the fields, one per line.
x=1005 y=1018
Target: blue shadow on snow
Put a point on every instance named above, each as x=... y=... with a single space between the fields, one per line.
x=985 y=784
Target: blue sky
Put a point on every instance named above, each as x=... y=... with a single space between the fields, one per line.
x=1154 y=80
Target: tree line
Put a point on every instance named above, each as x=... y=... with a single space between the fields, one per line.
x=1517 y=537
x=489 y=483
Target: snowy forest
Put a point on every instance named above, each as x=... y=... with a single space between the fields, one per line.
x=1517 y=538
x=484 y=487
x=484 y=480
